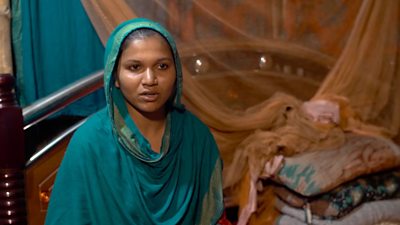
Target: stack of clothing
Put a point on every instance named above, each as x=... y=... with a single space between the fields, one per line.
x=366 y=200
x=358 y=184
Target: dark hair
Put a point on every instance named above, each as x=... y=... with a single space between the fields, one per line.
x=139 y=34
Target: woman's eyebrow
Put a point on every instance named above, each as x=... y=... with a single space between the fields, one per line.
x=165 y=59
x=130 y=61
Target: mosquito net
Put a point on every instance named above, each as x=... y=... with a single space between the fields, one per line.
x=5 y=49
x=293 y=73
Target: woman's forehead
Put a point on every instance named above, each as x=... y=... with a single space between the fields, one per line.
x=149 y=47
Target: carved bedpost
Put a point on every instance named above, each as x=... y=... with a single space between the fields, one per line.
x=12 y=156
x=12 y=153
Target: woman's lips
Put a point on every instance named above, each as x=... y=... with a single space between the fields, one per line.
x=149 y=96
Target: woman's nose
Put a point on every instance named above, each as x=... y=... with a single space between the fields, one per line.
x=149 y=78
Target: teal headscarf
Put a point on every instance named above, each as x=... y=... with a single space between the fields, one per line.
x=114 y=44
x=129 y=134
x=110 y=175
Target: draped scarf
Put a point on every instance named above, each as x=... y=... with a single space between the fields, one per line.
x=110 y=175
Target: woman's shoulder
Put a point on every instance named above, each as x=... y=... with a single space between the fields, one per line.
x=97 y=128
x=191 y=118
x=95 y=124
x=89 y=141
x=192 y=126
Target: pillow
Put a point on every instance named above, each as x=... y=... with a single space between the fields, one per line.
x=369 y=213
x=343 y=199
x=312 y=173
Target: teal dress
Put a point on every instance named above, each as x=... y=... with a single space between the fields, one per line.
x=110 y=175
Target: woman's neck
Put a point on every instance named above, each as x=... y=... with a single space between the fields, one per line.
x=151 y=126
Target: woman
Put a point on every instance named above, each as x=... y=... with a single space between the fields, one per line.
x=143 y=159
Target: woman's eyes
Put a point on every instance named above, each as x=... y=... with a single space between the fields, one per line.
x=138 y=67
x=163 y=66
x=134 y=67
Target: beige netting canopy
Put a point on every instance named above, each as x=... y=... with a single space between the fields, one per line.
x=5 y=36
x=238 y=54
x=273 y=73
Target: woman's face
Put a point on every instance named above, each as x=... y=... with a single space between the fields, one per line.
x=146 y=76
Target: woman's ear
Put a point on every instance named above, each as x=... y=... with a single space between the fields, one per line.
x=116 y=83
x=115 y=77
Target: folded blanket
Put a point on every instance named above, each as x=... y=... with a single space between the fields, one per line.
x=367 y=214
x=343 y=199
x=389 y=223
x=314 y=173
